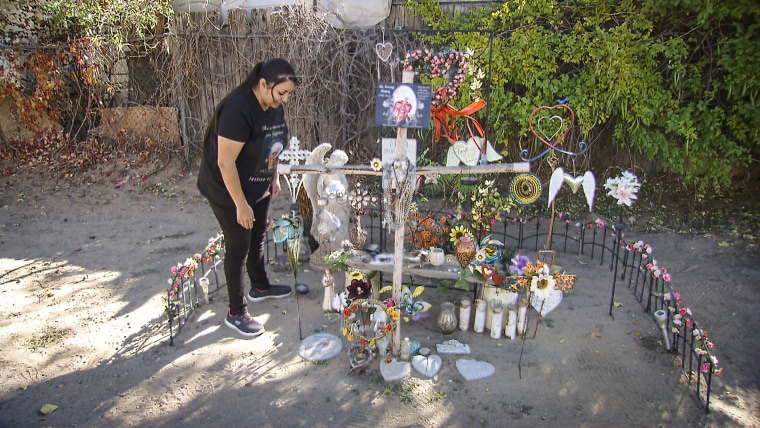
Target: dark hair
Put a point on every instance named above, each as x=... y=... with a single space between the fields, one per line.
x=274 y=72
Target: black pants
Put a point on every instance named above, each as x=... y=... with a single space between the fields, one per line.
x=244 y=249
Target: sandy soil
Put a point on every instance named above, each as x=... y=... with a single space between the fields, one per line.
x=83 y=272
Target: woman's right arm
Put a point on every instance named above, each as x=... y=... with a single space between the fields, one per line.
x=228 y=154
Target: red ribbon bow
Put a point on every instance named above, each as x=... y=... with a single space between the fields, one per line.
x=444 y=116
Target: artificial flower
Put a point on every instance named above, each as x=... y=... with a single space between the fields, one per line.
x=457 y=232
x=519 y=263
x=359 y=289
x=542 y=282
x=623 y=188
x=376 y=164
x=356 y=274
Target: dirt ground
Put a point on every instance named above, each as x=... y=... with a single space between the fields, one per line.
x=83 y=272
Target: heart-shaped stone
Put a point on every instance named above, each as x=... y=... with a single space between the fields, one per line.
x=384 y=50
x=427 y=366
x=393 y=370
x=548 y=133
x=546 y=301
x=574 y=182
x=466 y=152
x=474 y=370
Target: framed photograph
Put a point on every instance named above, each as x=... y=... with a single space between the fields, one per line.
x=402 y=105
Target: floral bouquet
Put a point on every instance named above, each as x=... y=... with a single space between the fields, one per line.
x=623 y=188
x=414 y=308
x=537 y=277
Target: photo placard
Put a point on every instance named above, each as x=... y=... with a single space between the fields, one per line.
x=403 y=105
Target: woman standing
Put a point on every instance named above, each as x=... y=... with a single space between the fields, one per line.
x=238 y=176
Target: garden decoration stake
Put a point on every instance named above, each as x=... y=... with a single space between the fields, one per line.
x=289 y=230
x=550 y=126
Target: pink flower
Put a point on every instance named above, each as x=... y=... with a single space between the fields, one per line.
x=682 y=311
x=676 y=296
x=666 y=277
x=663 y=270
x=174 y=270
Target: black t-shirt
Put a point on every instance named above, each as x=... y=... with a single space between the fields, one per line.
x=264 y=134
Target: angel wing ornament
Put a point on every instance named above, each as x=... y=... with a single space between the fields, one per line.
x=555 y=183
x=587 y=180
x=589 y=188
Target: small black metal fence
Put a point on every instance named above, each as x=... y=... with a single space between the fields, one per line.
x=630 y=264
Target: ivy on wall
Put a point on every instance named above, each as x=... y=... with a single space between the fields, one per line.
x=674 y=80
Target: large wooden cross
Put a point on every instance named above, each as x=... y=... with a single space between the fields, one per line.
x=401 y=152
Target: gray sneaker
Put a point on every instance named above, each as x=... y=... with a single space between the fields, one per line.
x=273 y=292
x=244 y=324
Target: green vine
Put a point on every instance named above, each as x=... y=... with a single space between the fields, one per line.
x=673 y=81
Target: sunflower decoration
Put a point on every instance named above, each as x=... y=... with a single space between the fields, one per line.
x=457 y=232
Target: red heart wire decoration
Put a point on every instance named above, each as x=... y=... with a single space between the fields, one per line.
x=544 y=137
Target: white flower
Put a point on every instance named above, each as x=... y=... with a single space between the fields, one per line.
x=542 y=284
x=623 y=188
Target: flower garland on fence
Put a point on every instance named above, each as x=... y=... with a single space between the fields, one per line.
x=681 y=316
x=182 y=272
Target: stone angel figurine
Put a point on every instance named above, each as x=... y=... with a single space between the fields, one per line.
x=328 y=193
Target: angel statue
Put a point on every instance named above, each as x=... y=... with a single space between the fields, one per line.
x=328 y=193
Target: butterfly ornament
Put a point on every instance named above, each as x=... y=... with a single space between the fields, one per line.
x=587 y=180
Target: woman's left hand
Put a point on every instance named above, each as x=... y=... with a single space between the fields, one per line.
x=276 y=187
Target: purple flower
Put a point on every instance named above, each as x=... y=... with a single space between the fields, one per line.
x=518 y=264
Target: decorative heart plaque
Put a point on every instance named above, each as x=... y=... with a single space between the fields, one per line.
x=546 y=301
x=427 y=366
x=474 y=370
x=548 y=128
x=393 y=370
x=384 y=51
x=466 y=152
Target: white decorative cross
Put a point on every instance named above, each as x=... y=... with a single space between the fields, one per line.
x=294 y=155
